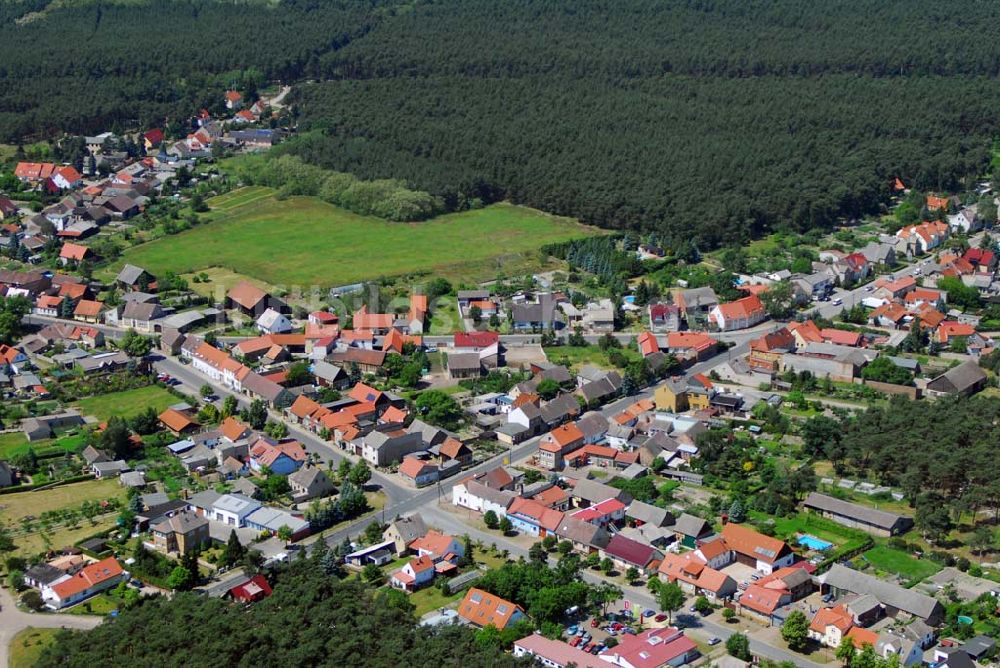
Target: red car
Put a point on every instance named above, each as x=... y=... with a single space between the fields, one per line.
x=617 y=626
x=588 y=647
x=660 y=618
x=593 y=623
x=575 y=641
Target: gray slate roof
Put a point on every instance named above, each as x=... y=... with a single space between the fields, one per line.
x=878 y=518
x=649 y=514
x=889 y=594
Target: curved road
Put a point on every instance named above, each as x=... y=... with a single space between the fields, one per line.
x=13 y=621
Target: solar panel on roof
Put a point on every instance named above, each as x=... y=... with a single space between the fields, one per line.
x=765 y=552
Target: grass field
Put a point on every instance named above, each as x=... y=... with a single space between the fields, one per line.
x=16 y=443
x=305 y=241
x=219 y=282
x=15 y=506
x=896 y=561
x=126 y=404
x=27 y=645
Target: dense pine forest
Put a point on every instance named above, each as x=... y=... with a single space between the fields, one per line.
x=705 y=120
x=312 y=619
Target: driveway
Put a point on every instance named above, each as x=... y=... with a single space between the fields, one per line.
x=13 y=621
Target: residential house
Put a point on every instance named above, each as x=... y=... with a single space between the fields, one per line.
x=696 y=303
x=481 y=608
x=829 y=626
x=559 y=442
x=181 y=532
x=585 y=536
x=652 y=648
x=555 y=653
x=141 y=316
x=873 y=521
x=382 y=448
x=533 y=518
x=627 y=553
x=927 y=236
x=694 y=576
x=767 y=351
x=404 y=530
x=272 y=321
x=418 y=472
x=177 y=423
x=89 y=580
x=310 y=482
x=541 y=315
x=764 y=553
x=879 y=254
x=664 y=317
x=416 y=573
x=966 y=221
x=481 y=498
x=282 y=458
x=739 y=314
x=464 y=365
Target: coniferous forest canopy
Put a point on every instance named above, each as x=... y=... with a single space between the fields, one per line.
x=712 y=120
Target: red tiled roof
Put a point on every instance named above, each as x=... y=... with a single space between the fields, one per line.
x=753 y=544
x=698 y=341
x=88 y=309
x=71 y=251
x=176 y=421
x=745 y=308
x=647 y=343
x=841 y=337
x=88 y=577
x=475 y=339
x=482 y=608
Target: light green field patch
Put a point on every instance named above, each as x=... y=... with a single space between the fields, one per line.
x=305 y=241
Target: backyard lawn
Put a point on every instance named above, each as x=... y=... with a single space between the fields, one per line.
x=305 y=241
x=896 y=561
x=126 y=404
x=101 y=604
x=430 y=598
x=578 y=356
x=27 y=645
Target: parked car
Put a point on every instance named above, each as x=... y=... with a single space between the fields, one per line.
x=594 y=623
x=574 y=642
x=648 y=613
x=663 y=618
x=713 y=641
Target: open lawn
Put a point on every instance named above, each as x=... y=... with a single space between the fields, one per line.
x=305 y=241
x=126 y=404
x=27 y=645
x=896 y=561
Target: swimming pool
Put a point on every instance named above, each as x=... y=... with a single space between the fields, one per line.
x=814 y=543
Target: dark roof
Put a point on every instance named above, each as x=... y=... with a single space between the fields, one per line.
x=877 y=518
x=631 y=551
x=958 y=379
